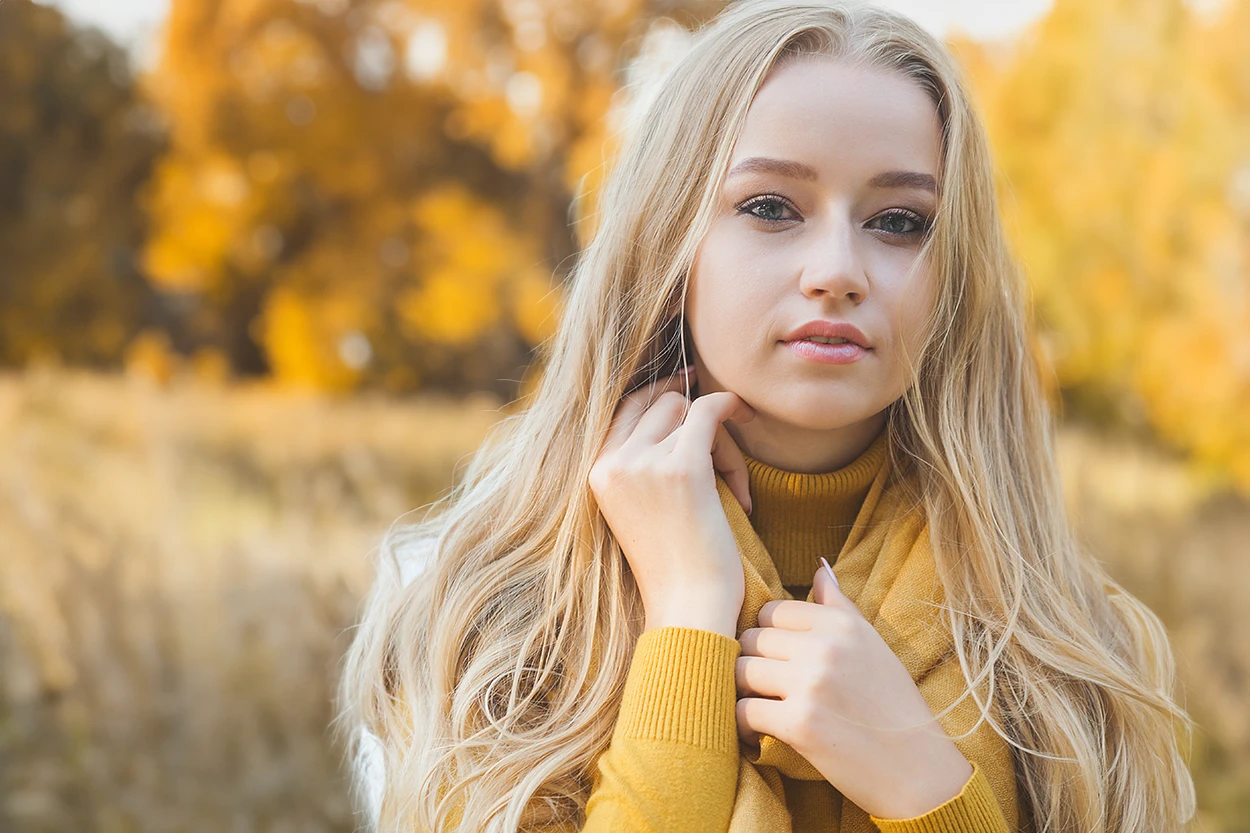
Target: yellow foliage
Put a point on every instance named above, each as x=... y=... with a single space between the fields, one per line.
x=1118 y=149
x=302 y=338
x=472 y=254
x=1121 y=129
x=449 y=308
x=200 y=209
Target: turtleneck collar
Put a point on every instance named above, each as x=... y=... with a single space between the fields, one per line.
x=800 y=517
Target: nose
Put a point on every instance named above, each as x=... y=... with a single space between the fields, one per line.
x=834 y=265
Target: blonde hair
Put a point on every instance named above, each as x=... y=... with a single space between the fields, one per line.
x=494 y=681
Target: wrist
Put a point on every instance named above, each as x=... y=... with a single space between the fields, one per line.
x=717 y=615
x=926 y=793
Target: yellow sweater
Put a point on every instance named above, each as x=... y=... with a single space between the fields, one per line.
x=675 y=763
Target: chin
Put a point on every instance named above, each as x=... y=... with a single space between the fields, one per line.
x=818 y=417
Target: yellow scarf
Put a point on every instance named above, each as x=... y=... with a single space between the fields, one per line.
x=886 y=568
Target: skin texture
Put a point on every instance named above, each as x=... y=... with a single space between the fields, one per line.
x=837 y=246
x=831 y=256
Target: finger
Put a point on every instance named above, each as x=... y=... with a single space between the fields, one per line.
x=788 y=614
x=703 y=433
x=825 y=590
x=658 y=421
x=727 y=459
x=772 y=643
x=698 y=431
x=760 y=677
x=758 y=716
x=632 y=405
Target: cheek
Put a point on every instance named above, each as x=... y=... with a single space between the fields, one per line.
x=915 y=304
x=728 y=287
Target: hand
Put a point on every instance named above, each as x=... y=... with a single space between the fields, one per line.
x=655 y=483
x=844 y=701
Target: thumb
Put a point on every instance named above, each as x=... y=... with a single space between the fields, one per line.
x=825 y=589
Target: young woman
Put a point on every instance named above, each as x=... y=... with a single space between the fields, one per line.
x=621 y=620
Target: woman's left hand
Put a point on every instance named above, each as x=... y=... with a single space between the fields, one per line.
x=820 y=678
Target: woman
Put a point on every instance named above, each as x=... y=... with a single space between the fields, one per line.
x=620 y=621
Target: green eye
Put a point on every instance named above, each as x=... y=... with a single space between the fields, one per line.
x=768 y=208
x=901 y=223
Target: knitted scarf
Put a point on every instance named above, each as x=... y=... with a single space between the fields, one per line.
x=887 y=569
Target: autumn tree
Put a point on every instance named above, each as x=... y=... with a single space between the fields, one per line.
x=75 y=144
x=1121 y=131
x=377 y=193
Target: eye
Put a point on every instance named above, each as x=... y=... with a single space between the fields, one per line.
x=901 y=222
x=766 y=207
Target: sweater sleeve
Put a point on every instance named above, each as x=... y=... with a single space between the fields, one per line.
x=973 y=810
x=672 y=764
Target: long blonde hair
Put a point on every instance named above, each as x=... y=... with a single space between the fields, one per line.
x=495 y=680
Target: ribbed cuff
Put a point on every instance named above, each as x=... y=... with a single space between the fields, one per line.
x=974 y=810
x=680 y=687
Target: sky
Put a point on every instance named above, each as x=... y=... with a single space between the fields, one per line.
x=136 y=22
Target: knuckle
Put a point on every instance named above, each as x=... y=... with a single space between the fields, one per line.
x=750 y=640
x=830 y=651
x=740 y=710
x=670 y=402
x=603 y=474
x=817 y=683
x=804 y=701
x=672 y=470
x=802 y=716
x=702 y=403
x=672 y=397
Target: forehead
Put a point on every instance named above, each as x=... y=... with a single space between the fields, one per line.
x=834 y=115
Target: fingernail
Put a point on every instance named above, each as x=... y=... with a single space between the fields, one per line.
x=829 y=570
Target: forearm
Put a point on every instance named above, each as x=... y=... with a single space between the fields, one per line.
x=673 y=761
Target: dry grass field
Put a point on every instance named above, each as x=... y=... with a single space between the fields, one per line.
x=179 y=568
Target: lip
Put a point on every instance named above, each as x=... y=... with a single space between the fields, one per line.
x=829 y=329
x=827 y=353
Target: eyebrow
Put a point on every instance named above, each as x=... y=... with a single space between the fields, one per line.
x=799 y=170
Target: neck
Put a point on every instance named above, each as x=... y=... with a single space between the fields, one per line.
x=803 y=451
x=802 y=516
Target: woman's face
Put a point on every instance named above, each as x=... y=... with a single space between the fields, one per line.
x=830 y=192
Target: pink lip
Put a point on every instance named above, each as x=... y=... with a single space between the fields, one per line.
x=827 y=353
x=829 y=329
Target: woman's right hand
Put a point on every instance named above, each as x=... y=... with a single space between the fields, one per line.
x=655 y=482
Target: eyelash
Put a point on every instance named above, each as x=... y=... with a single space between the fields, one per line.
x=923 y=223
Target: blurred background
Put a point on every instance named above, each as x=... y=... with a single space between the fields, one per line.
x=269 y=269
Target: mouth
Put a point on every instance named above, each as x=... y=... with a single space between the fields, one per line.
x=828 y=341
x=842 y=352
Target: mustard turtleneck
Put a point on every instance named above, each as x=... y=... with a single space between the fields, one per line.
x=675 y=762
x=800 y=517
